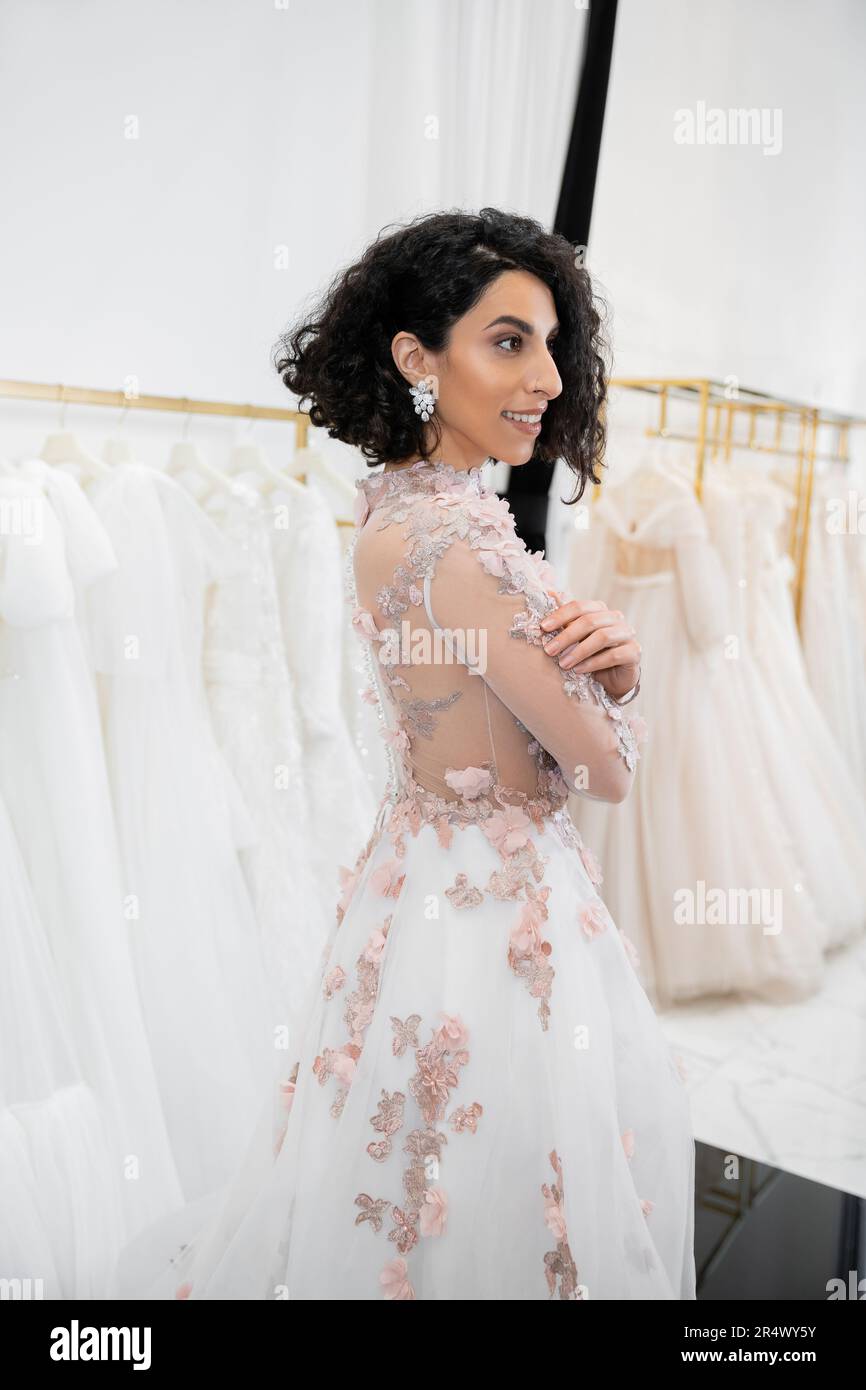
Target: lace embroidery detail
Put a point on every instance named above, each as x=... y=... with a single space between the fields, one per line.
x=528 y=950
x=423 y=1208
x=433 y=476
x=372 y=1210
x=360 y=1005
x=349 y=878
x=559 y=1267
x=465 y=1117
x=508 y=829
x=405 y=1034
x=463 y=894
x=510 y=882
x=440 y=505
x=586 y=687
x=388 y=1120
x=334 y=980
x=417 y=805
x=419 y=713
x=394 y=599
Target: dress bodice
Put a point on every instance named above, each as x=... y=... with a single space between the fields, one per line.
x=478 y=718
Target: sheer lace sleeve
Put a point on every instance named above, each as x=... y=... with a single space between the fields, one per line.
x=493 y=591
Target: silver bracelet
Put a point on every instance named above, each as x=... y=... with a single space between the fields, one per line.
x=631 y=694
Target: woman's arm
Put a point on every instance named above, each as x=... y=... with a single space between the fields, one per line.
x=570 y=714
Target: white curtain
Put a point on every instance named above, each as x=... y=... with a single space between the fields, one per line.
x=471 y=104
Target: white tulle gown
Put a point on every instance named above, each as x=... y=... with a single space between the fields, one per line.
x=834 y=613
x=60 y=1216
x=308 y=568
x=254 y=707
x=180 y=817
x=484 y=1105
x=749 y=516
x=702 y=865
x=54 y=784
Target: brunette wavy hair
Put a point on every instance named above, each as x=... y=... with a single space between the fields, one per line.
x=421 y=279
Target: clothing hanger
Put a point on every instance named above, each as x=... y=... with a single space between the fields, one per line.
x=185 y=456
x=63 y=446
x=251 y=458
x=311 y=461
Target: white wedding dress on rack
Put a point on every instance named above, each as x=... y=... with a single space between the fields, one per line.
x=60 y=1215
x=834 y=613
x=484 y=1105
x=699 y=866
x=309 y=576
x=749 y=517
x=254 y=709
x=54 y=784
x=180 y=818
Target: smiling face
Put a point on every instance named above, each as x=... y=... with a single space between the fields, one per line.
x=500 y=362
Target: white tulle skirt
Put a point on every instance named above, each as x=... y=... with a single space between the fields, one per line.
x=484 y=1105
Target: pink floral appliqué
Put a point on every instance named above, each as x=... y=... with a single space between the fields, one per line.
x=398 y=739
x=387 y=879
x=592 y=866
x=364 y=625
x=360 y=1006
x=423 y=1209
x=528 y=952
x=463 y=894
x=507 y=830
x=469 y=782
x=434 y=1212
x=334 y=980
x=593 y=919
x=559 y=1267
x=395 y=1280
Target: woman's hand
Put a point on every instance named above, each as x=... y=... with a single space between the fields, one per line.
x=593 y=637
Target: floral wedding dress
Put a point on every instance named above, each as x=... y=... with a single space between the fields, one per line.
x=483 y=1105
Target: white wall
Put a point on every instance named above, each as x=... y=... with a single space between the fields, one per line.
x=305 y=125
x=721 y=260
x=258 y=125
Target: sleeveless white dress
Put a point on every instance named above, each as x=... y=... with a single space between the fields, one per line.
x=484 y=1105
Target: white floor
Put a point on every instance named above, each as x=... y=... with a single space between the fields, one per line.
x=783 y=1085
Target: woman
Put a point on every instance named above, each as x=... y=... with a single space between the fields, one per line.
x=482 y=1104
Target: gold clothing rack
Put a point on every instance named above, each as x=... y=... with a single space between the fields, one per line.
x=184 y=405
x=123 y=400
x=718 y=397
x=722 y=399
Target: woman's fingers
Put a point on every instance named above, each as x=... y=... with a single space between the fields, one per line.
x=567 y=612
x=580 y=627
x=628 y=654
x=604 y=641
